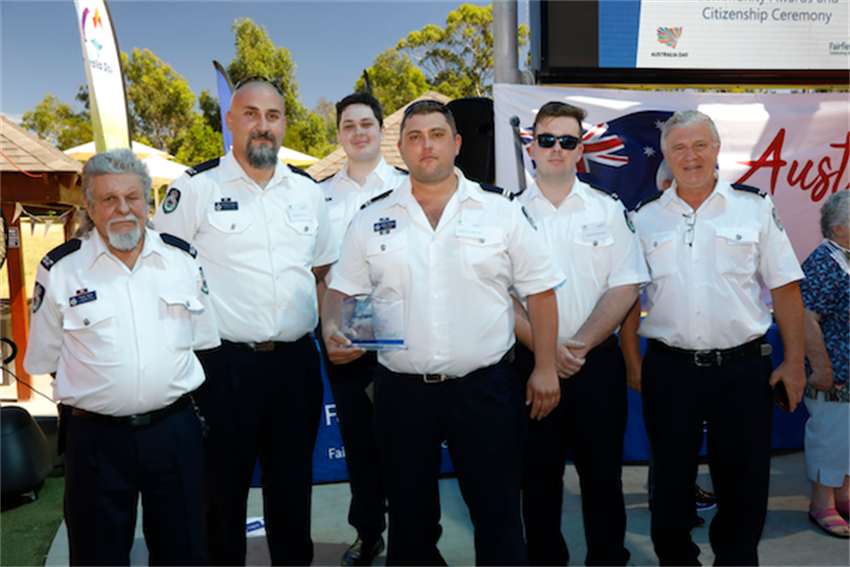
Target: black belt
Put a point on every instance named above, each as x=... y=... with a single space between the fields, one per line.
x=137 y=420
x=438 y=378
x=267 y=346
x=756 y=348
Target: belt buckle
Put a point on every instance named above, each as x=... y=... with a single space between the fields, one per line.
x=703 y=358
x=434 y=378
x=139 y=420
x=267 y=346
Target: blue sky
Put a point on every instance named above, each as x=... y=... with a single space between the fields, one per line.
x=331 y=42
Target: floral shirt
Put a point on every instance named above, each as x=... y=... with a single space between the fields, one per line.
x=825 y=292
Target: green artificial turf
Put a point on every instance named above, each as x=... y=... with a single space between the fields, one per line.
x=27 y=528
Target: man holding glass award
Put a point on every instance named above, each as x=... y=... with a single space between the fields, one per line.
x=432 y=263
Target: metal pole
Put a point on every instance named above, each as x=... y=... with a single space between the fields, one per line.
x=505 y=49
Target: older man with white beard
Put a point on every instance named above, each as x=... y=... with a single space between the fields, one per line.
x=116 y=314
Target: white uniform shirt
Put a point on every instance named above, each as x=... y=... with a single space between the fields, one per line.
x=257 y=247
x=454 y=280
x=344 y=196
x=590 y=239
x=120 y=341
x=706 y=296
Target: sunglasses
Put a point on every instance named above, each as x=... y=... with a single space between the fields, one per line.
x=548 y=141
x=255 y=78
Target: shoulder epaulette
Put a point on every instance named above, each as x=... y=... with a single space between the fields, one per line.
x=651 y=198
x=300 y=171
x=516 y=195
x=749 y=189
x=326 y=178
x=207 y=165
x=402 y=170
x=60 y=252
x=375 y=199
x=605 y=192
x=177 y=242
x=493 y=189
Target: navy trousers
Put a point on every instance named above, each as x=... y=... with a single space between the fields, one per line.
x=107 y=467
x=482 y=418
x=272 y=411
x=736 y=401
x=590 y=420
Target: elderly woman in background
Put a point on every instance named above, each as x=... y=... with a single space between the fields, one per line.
x=825 y=296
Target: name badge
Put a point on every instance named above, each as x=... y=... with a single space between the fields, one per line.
x=82 y=296
x=227 y=205
x=594 y=232
x=469 y=230
x=300 y=212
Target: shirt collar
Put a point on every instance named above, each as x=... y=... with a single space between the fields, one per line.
x=579 y=189
x=98 y=247
x=466 y=189
x=722 y=188
x=381 y=171
x=232 y=170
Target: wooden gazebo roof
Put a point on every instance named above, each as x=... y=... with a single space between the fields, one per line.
x=48 y=177
x=334 y=161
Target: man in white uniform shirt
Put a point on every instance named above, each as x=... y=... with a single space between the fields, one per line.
x=116 y=316
x=365 y=175
x=592 y=239
x=449 y=249
x=707 y=359
x=262 y=230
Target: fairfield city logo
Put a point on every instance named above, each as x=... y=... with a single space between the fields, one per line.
x=669 y=36
x=96 y=22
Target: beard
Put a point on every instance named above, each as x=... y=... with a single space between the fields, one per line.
x=124 y=241
x=262 y=157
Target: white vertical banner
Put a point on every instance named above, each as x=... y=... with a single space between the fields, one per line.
x=107 y=99
x=793 y=146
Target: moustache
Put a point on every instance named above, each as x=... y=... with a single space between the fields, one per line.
x=129 y=217
x=262 y=135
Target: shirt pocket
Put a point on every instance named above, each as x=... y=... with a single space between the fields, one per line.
x=736 y=250
x=302 y=219
x=592 y=256
x=388 y=260
x=176 y=311
x=483 y=257
x=92 y=332
x=230 y=222
x=660 y=251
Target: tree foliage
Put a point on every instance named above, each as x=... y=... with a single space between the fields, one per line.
x=58 y=123
x=458 y=59
x=161 y=102
x=395 y=80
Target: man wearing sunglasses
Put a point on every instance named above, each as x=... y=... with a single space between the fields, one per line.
x=449 y=249
x=264 y=235
x=591 y=239
x=706 y=242
x=364 y=175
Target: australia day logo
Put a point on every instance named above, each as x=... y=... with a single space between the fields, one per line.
x=669 y=36
x=90 y=22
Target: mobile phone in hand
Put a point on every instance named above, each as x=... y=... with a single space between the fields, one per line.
x=780 y=397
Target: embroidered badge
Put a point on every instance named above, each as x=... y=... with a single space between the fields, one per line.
x=529 y=219
x=629 y=222
x=384 y=225
x=171 y=200
x=37 y=296
x=204 y=288
x=777 y=221
x=82 y=296
x=226 y=205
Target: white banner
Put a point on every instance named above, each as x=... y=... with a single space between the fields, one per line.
x=103 y=71
x=794 y=146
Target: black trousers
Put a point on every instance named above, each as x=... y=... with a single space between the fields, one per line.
x=482 y=417
x=735 y=400
x=354 y=410
x=107 y=466
x=265 y=404
x=591 y=421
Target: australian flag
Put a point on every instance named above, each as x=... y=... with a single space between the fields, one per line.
x=623 y=155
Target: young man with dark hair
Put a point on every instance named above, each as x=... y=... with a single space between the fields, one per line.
x=364 y=175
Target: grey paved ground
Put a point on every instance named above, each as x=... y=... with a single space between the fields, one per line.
x=789 y=538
